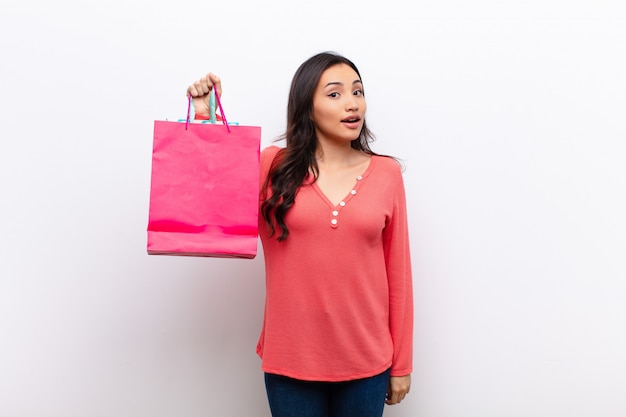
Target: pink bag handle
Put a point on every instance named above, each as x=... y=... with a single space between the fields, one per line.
x=219 y=104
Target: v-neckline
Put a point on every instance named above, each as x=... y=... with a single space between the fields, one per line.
x=353 y=191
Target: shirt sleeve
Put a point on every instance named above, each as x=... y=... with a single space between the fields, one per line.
x=267 y=157
x=207 y=117
x=399 y=276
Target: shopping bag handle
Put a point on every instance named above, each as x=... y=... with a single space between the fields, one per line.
x=213 y=96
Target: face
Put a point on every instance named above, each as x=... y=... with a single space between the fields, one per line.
x=339 y=104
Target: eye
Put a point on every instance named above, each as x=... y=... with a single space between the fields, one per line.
x=357 y=92
x=333 y=95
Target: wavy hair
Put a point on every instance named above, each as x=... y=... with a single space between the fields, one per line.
x=296 y=160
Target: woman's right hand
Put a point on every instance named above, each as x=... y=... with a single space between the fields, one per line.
x=199 y=92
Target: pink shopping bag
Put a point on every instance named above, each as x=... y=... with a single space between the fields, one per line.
x=204 y=191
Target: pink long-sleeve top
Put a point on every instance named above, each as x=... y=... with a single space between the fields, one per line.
x=339 y=298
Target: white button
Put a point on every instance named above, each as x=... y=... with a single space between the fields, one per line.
x=353 y=192
x=359 y=178
x=333 y=221
x=335 y=213
x=343 y=203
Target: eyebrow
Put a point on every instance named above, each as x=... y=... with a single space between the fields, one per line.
x=340 y=83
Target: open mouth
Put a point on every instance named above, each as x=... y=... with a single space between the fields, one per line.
x=355 y=119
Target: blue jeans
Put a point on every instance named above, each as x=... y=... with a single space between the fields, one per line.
x=290 y=397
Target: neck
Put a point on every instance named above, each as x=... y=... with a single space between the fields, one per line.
x=334 y=153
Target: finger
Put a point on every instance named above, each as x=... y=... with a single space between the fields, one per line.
x=204 y=85
x=216 y=82
x=191 y=91
x=196 y=89
x=392 y=398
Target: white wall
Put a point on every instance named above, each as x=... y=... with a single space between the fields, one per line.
x=509 y=115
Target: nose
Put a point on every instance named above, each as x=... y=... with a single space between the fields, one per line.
x=352 y=103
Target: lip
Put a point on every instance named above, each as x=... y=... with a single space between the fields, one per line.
x=353 y=121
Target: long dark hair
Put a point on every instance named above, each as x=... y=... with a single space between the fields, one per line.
x=293 y=163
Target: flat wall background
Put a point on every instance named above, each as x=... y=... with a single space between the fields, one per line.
x=510 y=119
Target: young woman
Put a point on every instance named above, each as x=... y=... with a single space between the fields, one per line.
x=338 y=325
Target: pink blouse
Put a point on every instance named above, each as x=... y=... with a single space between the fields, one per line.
x=339 y=298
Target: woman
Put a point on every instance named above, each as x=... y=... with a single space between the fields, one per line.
x=338 y=324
